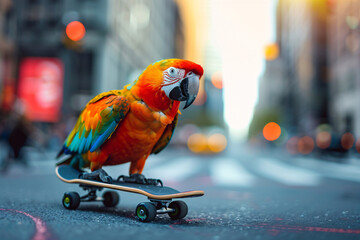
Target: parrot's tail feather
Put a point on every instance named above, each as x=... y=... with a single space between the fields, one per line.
x=75 y=161
x=66 y=161
x=60 y=153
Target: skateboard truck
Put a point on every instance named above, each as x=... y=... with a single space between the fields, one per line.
x=91 y=195
x=140 y=179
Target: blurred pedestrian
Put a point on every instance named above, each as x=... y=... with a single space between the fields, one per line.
x=19 y=129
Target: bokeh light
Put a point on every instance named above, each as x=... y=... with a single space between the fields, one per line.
x=323 y=139
x=197 y=143
x=271 y=52
x=305 y=145
x=217 y=142
x=347 y=140
x=357 y=145
x=271 y=131
x=216 y=80
x=75 y=30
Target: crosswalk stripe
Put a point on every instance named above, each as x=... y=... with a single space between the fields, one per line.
x=227 y=172
x=286 y=174
x=350 y=172
x=175 y=170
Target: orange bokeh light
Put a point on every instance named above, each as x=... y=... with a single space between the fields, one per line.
x=347 y=140
x=197 y=143
x=217 y=142
x=323 y=139
x=305 y=145
x=216 y=80
x=271 y=131
x=271 y=52
x=357 y=145
x=75 y=30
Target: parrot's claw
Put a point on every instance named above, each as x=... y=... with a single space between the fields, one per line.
x=99 y=175
x=140 y=179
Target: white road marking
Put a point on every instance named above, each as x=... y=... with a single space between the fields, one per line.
x=175 y=170
x=228 y=172
x=287 y=174
x=343 y=171
x=123 y=169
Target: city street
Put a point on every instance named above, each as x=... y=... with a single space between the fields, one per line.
x=112 y=81
x=247 y=196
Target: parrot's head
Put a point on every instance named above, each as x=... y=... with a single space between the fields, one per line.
x=169 y=80
x=181 y=79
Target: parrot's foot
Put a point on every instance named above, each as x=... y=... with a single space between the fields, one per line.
x=140 y=179
x=99 y=175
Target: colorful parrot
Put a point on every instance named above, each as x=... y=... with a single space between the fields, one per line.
x=128 y=125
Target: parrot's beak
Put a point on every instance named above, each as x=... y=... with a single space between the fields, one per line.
x=184 y=90
x=191 y=89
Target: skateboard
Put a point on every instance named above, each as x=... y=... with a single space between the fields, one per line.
x=160 y=197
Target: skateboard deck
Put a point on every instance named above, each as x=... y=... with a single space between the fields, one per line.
x=70 y=175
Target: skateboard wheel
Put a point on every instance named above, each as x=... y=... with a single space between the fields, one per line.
x=145 y=211
x=180 y=210
x=111 y=198
x=71 y=200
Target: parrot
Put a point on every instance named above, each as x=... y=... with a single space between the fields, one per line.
x=127 y=125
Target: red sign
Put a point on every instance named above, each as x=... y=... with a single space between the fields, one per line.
x=41 y=88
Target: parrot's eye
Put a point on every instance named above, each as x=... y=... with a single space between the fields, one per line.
x=172 y=71
x=189 y=74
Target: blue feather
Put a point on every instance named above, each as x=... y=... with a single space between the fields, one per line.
x=66 y=150
x=82 y=144
x=96 y=137
x=88 y=141
x=102 y=138
x=75 y=143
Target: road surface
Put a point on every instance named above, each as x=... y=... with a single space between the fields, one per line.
x=247 y=196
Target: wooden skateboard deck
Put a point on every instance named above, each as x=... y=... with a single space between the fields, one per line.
x=70 y=175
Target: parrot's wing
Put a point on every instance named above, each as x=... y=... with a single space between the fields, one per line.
x=166 y=136
x=96 y=123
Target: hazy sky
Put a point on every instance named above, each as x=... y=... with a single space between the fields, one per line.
x=242 y=29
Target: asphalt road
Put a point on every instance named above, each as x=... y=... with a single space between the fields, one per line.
x=246 y=197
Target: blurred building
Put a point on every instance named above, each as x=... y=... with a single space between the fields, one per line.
x=7 y=49
x=303 y=49
x=272 y=97
x=296 y=83
x=344 y=59
x=140 y=32
x=122 y=38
